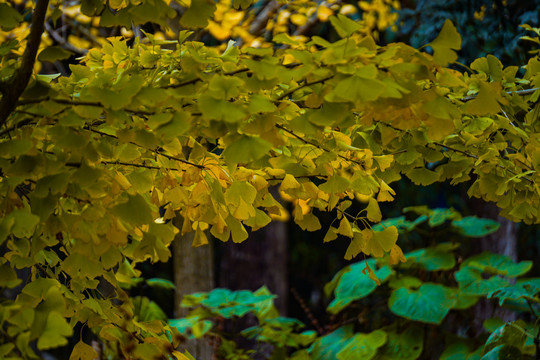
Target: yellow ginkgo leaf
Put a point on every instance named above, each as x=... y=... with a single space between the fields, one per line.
x=396 y=256
x=345 y=228
x=373 y=210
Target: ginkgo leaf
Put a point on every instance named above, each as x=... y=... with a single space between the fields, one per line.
x=83 y=351
x=373 y=210
x=385 y=192
x=135 y=211
x=487 y=100
x=55 y=333
x=344 y=26
x=445 y=43
x=335 y=184
x=197 y=15
x=376 y=243
x=422 y=176
x=355 y=247
x=289 y=183
x=331 y=234
x=54 y=53
x=345 y=228
x=396 y=256
x=246 y=149
x=9 y=17
x=200 y=239
x=238 y=232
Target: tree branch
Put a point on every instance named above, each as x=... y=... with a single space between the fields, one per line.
x=170 y=157
x=317 y=145
x=122 y=163
x=19 y=82
x=63 y=43
x=517 y=92
x=307 y=83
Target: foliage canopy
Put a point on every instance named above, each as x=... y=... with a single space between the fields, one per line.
x=95 y=162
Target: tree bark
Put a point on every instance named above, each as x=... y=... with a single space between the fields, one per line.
x=504 y=242
x=193 y=272
x=260 y=260
x=12 y=90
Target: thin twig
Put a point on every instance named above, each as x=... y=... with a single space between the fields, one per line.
x=158 y=152
x=307 y=83
x=517 y=92
x=63 y=43
x=137 y=165
x=80 y=103
x=308 y=311
x=316 y=145
x=28 y=121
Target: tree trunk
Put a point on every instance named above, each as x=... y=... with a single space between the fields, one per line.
x=504 y=242
x=193 y=272
x=260 y=260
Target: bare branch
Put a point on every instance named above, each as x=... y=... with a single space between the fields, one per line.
x=517 y=92
x=63 y=43
x=19 y=82
x=317 y=145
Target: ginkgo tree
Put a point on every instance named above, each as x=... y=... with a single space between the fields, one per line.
x=94 y=163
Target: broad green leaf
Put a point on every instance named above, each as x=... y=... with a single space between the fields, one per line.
x=405 y=345
x=429 y=304
x=471 y=282
x=439 y=216
x=184 y=325
x=460 y=350
x=471 y=226
x=497 y=264
x=362 y=346
x=328 y=346
x=200 y=328
x=432 y=259
x=400 y=223
x=510 y=334
x=503 y=352
x=516 y=292
x=354 y=284
x=407 y=282
x=161 y=283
